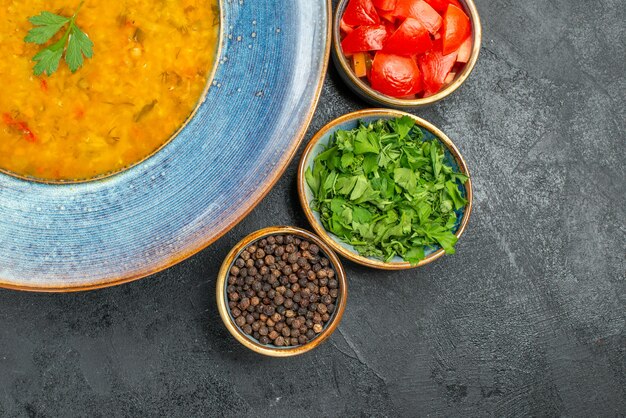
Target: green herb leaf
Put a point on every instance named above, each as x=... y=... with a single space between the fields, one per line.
x=78 y=45
x=405 y=177
x=47 y=61
x=455 y=194
x=312 y=180
x=46 y=26
x=402 y=126
x=365 y=143
x=386 y=189
x=74 y=42
x=47 y=19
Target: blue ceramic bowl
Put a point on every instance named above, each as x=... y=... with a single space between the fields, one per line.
x=271 y=67
x=349 y=122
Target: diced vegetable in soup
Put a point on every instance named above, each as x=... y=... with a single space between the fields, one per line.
x=149 y=69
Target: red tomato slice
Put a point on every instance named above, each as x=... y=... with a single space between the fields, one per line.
x=361 y=12
x=421 y=11
x=386 y=15
x=411 y=38
x=435 y=68
x=465 y=51
x=385 y=5
x=345 y=28
x=457 y=3
x=395 y=75
x=365 y=38
x=456 y=29
x=439 y=5
x=391 y=28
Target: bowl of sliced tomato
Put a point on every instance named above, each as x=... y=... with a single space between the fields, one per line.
x=406 y=54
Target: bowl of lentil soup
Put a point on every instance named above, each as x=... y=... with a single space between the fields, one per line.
x=281 y=291
x=111 y=229
x=143 y=74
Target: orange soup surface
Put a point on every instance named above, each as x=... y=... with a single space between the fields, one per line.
x=151 y=61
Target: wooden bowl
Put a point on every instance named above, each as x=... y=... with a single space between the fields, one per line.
x=367 y=93
x=350 y=121
x=248 y=341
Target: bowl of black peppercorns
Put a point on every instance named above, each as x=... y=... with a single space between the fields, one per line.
x=281 y=291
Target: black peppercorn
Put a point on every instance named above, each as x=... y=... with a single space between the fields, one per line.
x=282 y=290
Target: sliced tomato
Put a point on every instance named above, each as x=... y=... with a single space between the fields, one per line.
x=465 y=51
x=457 y=3
x=421 y=11
x=403 y=8
x=429 y=16
x=385 y=5
x=435 y=67
x=439 y=5
x=361 y=12
x=345 y=28
x=365 y=38
x=395 y=75
x=456 y=29
x=391 y=28
x=386 y=15
x=449 y=78
x=411 y=38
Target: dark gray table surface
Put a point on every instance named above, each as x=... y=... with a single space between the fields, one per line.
x=528 y=318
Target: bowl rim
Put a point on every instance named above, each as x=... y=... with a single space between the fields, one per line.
x=249 y=342
x=373 y=96
x=319 y=228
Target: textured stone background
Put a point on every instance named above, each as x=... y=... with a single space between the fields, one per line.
x=527 y=319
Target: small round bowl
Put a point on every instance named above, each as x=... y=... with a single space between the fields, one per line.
x=348 y=122
x=363 y=89
x=272 y=350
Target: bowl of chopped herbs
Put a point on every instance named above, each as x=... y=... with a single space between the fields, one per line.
x=385 y=189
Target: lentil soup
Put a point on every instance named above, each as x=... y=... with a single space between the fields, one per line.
x=149 y=71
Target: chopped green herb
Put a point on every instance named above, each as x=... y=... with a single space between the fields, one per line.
x=74 y=42
x=387 y=191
